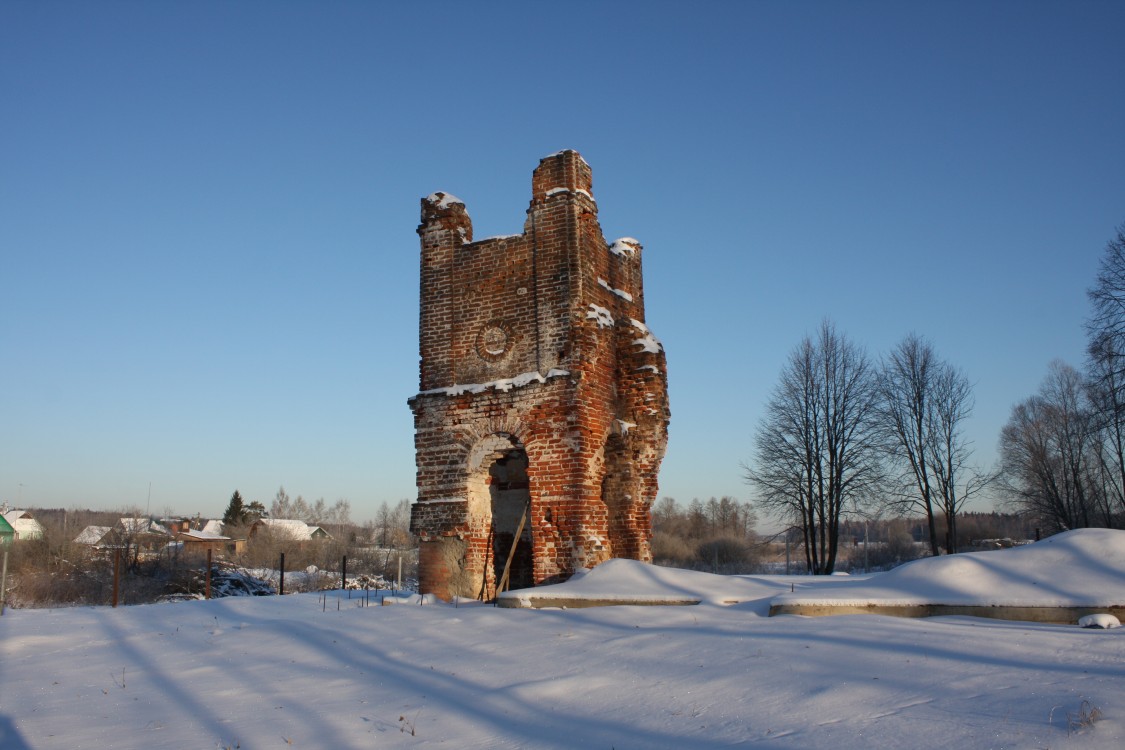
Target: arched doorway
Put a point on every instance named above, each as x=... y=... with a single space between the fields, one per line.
x=510 y=495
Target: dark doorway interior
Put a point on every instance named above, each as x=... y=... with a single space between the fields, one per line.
x=511 y=499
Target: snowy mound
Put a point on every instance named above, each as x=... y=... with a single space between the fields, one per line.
x=1103 y=621
x=1083 y=568
x=632 y=582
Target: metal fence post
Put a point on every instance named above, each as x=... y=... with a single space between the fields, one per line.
x=4 y=580
x=116 y=572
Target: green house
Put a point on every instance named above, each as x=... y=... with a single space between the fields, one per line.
x=7 y=533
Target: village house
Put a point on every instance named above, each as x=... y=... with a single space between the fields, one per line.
x=143 y=536
x=24 y=526
x=7 y=533
x=199 y=541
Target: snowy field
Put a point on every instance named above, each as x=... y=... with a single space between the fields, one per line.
x=302 y=671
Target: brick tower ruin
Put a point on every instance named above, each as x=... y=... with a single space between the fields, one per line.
x=542 y=416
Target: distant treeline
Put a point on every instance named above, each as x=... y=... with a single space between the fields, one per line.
x=717 y=535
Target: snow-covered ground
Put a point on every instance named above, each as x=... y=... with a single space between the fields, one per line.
x=1076 y=569
x=301 y=671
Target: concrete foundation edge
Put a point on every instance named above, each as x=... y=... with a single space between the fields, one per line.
x=1058 y=615
x=544 y=602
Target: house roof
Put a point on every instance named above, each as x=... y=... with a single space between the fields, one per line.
x=92 y=535
x=141 y=526
x=213 y=527
x=291 y=529
x=203 y=536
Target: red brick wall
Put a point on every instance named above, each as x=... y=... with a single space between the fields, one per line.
x=534 y=342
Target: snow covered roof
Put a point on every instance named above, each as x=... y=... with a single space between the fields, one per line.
x=213 y=527
x=203 y=536
x=298 y=531
x=92 y=535
x=140 y=526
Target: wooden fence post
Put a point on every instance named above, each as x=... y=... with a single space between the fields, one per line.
x=503 y=585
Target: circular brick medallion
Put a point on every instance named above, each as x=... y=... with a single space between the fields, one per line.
x=494 y=340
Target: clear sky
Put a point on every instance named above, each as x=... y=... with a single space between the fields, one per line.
x=208 y=258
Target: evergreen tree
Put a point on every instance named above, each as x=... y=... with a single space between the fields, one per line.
x=236 y=514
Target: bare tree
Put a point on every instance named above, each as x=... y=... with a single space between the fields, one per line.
x=318 y=513
x=817 y=449
x=1106 y=326
x=282 y=506
x=906 y=385
x=393 y=524
x=924 y=401
x=1047 y=450
x=300 y=510
x=1106 y=386
x=336 y=518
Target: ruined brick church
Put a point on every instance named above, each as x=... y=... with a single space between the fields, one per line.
x=542 y=416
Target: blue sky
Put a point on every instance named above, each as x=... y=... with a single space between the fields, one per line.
x=208 y=257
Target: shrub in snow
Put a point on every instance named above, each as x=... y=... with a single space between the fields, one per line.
x=1099 y=621
x=368 y=581
x=1084 y=717
x=238 y=582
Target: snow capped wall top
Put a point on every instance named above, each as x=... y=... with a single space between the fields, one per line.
x=447 y=211
x=443 y=200
x=625 y=246
x=565 y=151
